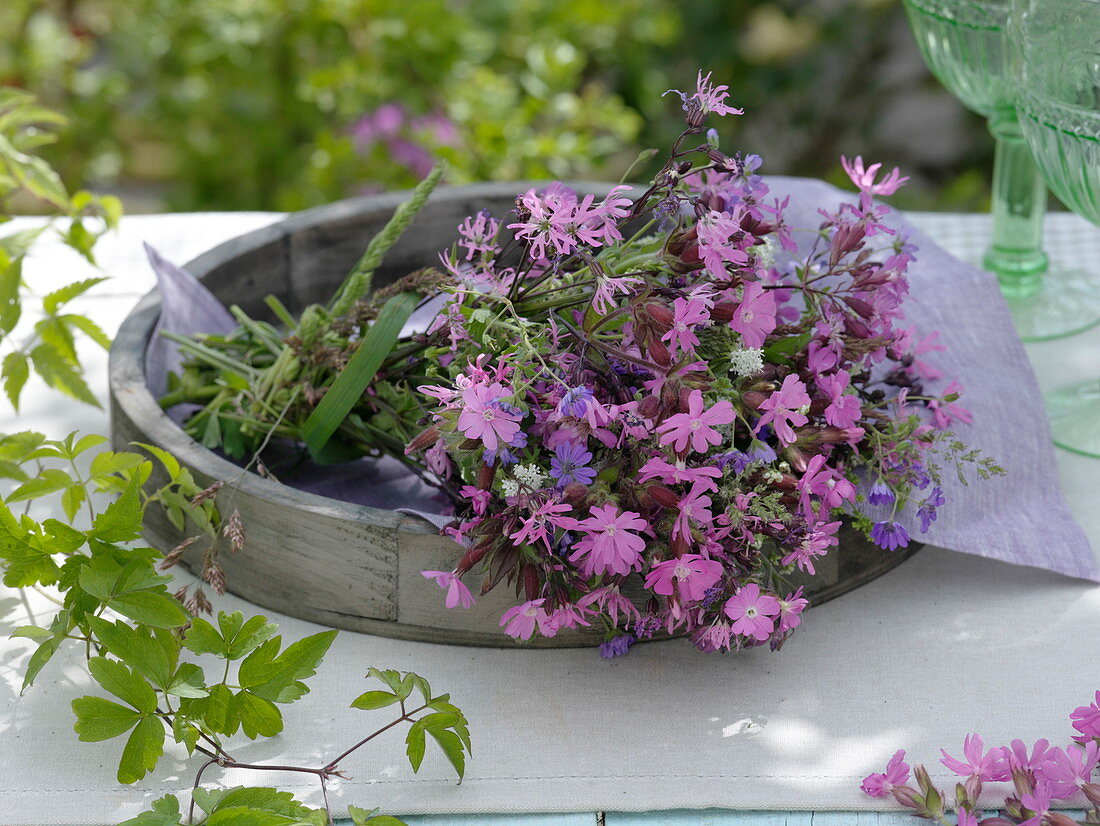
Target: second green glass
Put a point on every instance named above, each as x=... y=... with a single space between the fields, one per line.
x=965 y=46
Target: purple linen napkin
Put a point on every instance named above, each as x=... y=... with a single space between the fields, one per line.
x=1020 y=518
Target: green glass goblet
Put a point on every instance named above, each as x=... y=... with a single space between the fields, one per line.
x=965 y=46
x=1056 y=56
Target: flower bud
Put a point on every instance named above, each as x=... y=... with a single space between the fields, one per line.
x=1092 y=792
x=723 y=311
x=426 y=439
x=973 y=788
x=530 y=581
x=660 y=314
x=649 y=407
x=754 y=398
x=860 y=306
x=662 y=496
x=485 y=475
x=906 y=796
x=473 y=556
x=1058 y=819
x=659 y=353
x=669 y=395
x=856 y=328
x=575 y=493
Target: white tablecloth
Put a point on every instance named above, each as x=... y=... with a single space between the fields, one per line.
x=944 y=645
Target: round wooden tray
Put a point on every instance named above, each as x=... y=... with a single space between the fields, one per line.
x=321 y=559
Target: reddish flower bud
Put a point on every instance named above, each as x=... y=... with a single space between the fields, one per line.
x=659 y=313
x=906 y=796
x=860 y=306
x=649 y=407
x=1092 y=792
x=530 y=581
x=856 y=328
x=1058 y=819
x=485 y=475
x=659 y=353
x=670 y=396
x=662 y=496
x=426 y=439
x=575 y=493
x=473 y=556
x=723 y=311
x=754 y=398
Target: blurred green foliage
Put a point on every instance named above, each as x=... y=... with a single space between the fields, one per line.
x=282 y=104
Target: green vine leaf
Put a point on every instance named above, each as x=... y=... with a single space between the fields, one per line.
x=59 y=374
x=164 y=812
x=121 y=521
x=100 y=719
x=116 y=678
x=15 y=372
x=55 y=300
x=142 y=750
x=374 y=699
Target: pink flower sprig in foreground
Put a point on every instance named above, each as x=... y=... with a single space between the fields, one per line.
x=657 y=391
x=1041 y=777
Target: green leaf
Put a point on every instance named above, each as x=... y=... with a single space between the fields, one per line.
x=31 y=632
x=99 y=719
x=28 y=563
x=87 y=442
x=58 y=298
x=63 y=539
x=189 y=681
x=165 y=812
x=72 y=498
x=374 y=699
x=361 y=817
x=50 y=480
x=218 y=710
x=60 y=375
x=171 y=465
x=42 y=655
x=109 y=462
x=121 y=520
x=259 y=717
x=57 y=336
x=15 y=372
x=451 y=745
x=118 y=679
x=254 y=798
x=353 y=380
x=296 y=663
x=139 y=648
x=88 y=328
x=151 y=608
x=203 y=638
x=11 y=307
x=250 y=635
x=414 y=745
x=185 y=732
x=142 y=751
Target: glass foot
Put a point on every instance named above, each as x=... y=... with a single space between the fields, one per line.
x=1068 y=302
x=1074 y=413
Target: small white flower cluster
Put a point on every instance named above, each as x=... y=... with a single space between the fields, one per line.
x=747 y=361
x=765 y=252
x=528 y=475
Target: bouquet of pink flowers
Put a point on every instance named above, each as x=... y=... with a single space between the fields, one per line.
x=655 y=387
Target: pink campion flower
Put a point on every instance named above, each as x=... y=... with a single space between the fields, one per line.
x=546 y=225
x=697 y=426
x=689 y=575
x=1018 y=759
x=928 y=344
x=1086 y=719
x=943 y=413
x=534 y=527
x=483 y=417
x=457 y=593
x=687 y=313
x=752 y=612
x=844 y=409
x=965 y=817
x=610 y=601
x=864 y=179
x=713 y=232
x=785 y=407
x=989 y=766
x=1069 y=770
x=479 y=235
x=607 y=287
x=816 y=543
x=707 y=99
x=754 y=317
x=598 y=225
x=609 y=543
x=821 y=357
x=790 y=613
x=479 y=499
x=1037 y=802
x=693 y=507
x=881 y=784
x=824 y=482
x=519 y=622
x=678 y=473
x=568 y=616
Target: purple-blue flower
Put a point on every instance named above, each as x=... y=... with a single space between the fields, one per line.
x=575 y=402
x=616 y=647
x=880 y=494
x=927 y=509
x=890 y=535
x=569 y=464
x=504 y=454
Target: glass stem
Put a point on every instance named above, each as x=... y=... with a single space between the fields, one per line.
x=1016 y=256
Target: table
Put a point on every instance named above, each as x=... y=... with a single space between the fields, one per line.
x=180 y=237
